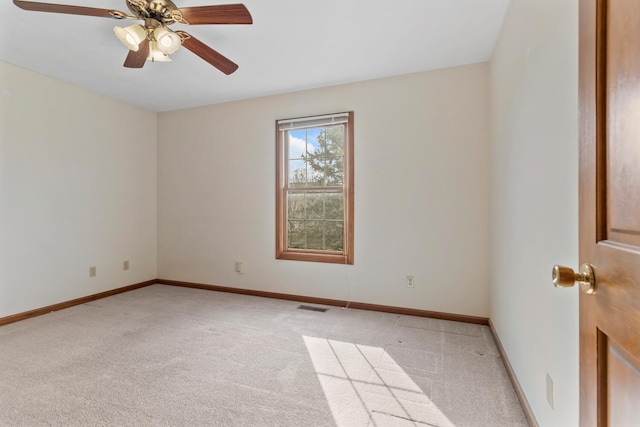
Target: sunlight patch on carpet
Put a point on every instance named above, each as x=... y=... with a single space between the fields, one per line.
x=363 y=385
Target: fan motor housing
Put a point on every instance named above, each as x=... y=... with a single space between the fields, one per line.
x=161 y=10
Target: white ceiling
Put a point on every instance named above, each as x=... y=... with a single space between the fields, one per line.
x=292 y=45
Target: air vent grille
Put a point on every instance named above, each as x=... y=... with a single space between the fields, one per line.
x=310 y=308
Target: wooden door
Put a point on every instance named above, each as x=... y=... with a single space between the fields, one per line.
x=610 y=211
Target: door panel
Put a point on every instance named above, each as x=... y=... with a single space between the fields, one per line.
x=624 y=386
x=610 y=211
x=623 y=132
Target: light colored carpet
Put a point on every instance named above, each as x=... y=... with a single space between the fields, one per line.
x=170 y=356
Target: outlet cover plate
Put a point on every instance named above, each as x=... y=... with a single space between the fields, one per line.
x=411 y=282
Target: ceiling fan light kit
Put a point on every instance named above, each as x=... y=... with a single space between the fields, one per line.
x=162 y=40
x=156 y=55
x=152 y=40
x=131 y=36
x=168 y=41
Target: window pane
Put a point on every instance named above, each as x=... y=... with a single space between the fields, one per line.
x=296 y=235
x=316 y=172
x=315 y=220
x=333 y=206
x=297 y=173
x=322 y=151
x=334 y=170
x=315 y=205
x=333 y=236
x=297 y=144
x=336 y=135
x=312 y=139
x=295 y=206
x=315 y=234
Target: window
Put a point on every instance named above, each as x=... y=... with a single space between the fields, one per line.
x=314 y=189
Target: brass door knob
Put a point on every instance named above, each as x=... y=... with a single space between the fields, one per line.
x=565 y=277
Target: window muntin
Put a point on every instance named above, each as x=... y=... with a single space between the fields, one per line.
x=315 y=189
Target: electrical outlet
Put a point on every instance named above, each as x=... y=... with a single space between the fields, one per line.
x=410 y=282
x=240 y=267
x=125 y=265
x=549 y=391
x=92 y=272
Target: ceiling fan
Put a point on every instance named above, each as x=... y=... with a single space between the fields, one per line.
x=153 y=40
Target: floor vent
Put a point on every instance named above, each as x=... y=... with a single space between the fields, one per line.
x=310 y=308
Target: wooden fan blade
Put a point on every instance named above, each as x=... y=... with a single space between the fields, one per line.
x=64 y=8
x=218 y=14
x=214 y=58
x=137 y=59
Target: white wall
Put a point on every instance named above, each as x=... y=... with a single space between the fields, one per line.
x=534 y=79
x=77 y=189
x=421 y=185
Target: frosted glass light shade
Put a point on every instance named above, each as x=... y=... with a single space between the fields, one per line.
x=131 y=36
x=168 y=41
x=155 y=54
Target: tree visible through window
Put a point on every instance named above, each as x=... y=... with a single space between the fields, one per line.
x=315 y=189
